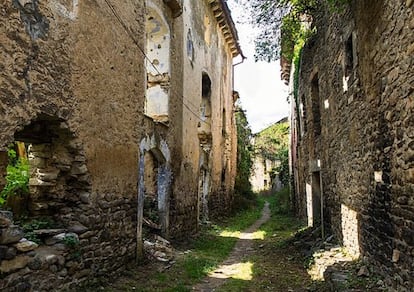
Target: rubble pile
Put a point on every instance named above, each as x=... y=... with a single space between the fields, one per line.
x=158 y=248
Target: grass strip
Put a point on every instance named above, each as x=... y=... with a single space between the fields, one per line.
x=204 y=253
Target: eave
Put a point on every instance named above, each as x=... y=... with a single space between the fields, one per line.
x=223 y=17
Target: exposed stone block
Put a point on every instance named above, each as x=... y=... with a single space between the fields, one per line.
x=11 y=234
x=78 y=169
x=15 y=264
x=25 y=245
x=47 y=175
x=5 y=221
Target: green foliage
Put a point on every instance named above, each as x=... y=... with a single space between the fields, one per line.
x=282 y=24
x=283 y=168
x=17 y=179
x=272 y=140
x=70 y=241
x=35 y=224
x=203 y=254
x=32 y=237
x=242 y=186
x=273 y=144
x=282 y=202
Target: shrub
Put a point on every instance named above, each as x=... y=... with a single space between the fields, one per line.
x=17 y=178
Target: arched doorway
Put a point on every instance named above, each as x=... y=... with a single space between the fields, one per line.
x=154 y=190
x=205 y=142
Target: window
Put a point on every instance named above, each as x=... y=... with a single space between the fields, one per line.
x=204 y=126
x=303 y=116
x=349 y=61
x=315 y=105
x=349 y=56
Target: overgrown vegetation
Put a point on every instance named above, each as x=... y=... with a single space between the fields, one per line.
x=17 y=179
x=282 y=24
x=244 y=195
x=198 y=257
x=276 y=265
x=30 y=225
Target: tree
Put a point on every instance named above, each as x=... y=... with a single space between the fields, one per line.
x=270 y=141
x=244 y=155
x=280 y=24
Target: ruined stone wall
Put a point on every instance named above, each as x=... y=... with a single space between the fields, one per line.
x=74 y=64
x=356 y=86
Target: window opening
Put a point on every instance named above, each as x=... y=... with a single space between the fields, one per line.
x=316 y=105
x=204 y=126
x=349 y=57
x=151 y=212
x=349 y=61
x=303 y=115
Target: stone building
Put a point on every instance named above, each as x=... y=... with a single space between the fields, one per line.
x=261 y=177
x=268 y=144
x=352 y=134
x=126 y=111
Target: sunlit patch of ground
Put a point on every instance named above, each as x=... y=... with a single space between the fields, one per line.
x=326 y=258
x=257 y=235
x=240 y=271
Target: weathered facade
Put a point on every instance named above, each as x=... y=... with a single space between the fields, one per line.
x=352 y=134
x=261 y=178
x=125 y=114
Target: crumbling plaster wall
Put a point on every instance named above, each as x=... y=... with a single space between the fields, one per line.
x=365 y=148
x=204 y=50
x=76 y=62
x=170 y=130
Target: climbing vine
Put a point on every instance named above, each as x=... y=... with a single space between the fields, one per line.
x=244 y=155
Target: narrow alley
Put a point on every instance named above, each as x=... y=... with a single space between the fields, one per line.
x=145 y=145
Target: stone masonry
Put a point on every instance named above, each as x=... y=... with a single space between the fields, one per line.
x=112 y=135
x=354 y=150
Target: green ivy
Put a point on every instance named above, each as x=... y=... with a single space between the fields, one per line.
x=283 y=168
x=244 y=155
x=280 y=23
x=70 y=241
x=17 y=178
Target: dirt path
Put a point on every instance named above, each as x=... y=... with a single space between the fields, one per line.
x=242 y=249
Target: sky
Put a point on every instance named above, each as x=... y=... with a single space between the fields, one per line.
x=262 y=92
